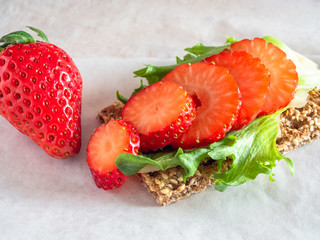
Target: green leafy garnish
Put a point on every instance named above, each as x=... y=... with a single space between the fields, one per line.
x=309 y=80
x=186 y=58
x=196 y=54
x=130 y=164
x=121 y=98
x=231 y=40
x=252 y=149
x=125 y=100
x=254 y=152
x=142 y=86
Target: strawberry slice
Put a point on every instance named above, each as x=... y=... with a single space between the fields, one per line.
x=253 y=81
x=217 y=99
x=106 y=144
x=160 y=112
x=283 y=75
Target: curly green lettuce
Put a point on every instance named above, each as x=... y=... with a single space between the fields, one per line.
x=252 y=149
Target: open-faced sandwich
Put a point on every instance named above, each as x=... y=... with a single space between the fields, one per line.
x=220 y=116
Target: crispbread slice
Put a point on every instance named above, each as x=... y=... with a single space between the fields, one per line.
x=298 y=126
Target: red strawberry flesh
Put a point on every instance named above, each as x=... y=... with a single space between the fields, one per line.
x=283 y=75
x=40 y=94
x=218 y=100
x=105 y=145
x=160 y=113
x=251 y=77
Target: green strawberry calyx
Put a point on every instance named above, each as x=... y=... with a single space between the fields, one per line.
x=21 y=37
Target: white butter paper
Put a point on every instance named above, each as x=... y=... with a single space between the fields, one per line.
x=46 y=198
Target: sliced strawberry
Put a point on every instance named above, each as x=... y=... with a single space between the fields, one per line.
x=253 y=81
x=217 y=100
x=283 y=75
x=106 y=144
x=160 y=112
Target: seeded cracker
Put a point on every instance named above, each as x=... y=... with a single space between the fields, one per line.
x=298 y=126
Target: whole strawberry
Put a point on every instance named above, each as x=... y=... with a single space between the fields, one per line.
x=40 y=92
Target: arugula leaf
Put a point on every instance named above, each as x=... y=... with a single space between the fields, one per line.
x=156 y=73
x=142 y=86
x=186 y=58
x=123 y=99
x=231 y=40
x=202 y=51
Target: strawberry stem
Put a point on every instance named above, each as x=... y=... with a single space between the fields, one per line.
x=21 y=37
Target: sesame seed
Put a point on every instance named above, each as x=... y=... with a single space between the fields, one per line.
x=165 y=176
x=165 y=191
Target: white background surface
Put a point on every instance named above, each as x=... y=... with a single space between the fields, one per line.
x=45 y=198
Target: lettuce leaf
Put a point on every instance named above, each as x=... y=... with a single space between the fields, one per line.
x=254 y=153
x=252 y=149
x=130 y=164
